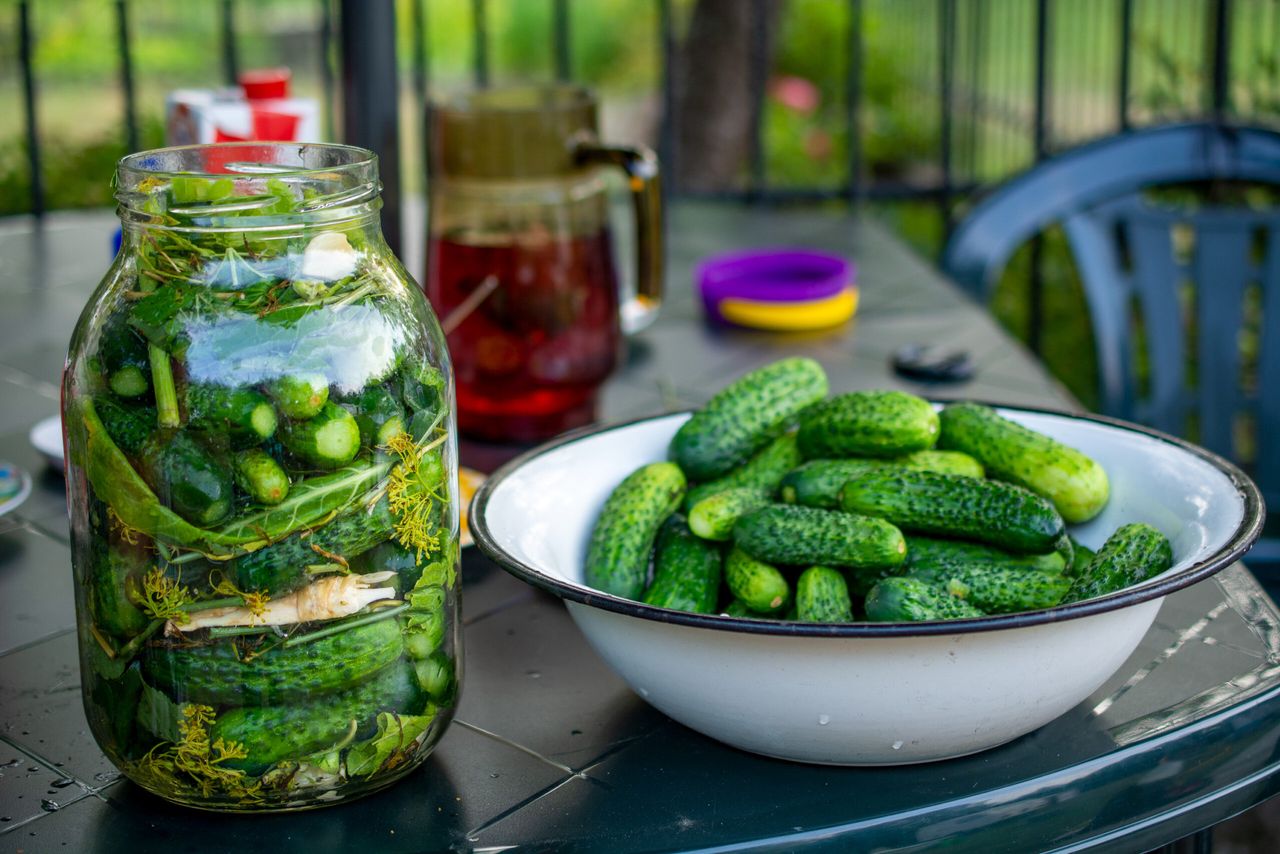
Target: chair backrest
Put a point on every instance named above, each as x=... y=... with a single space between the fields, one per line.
x=1167 y=288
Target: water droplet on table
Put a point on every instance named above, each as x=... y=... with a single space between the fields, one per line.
x=12 y=763
x=897 y=745
x=63 y=783
x=533 y=674
x=49 y=806
x=823 y=720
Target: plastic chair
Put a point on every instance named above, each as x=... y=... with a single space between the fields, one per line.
x=1135 y=258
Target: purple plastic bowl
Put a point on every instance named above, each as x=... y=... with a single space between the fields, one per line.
x=771 y=275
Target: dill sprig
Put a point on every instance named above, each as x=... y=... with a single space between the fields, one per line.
x=163 y=598
x=126 y=533
x=256 y=602
x=414 y=489
x=193 y=763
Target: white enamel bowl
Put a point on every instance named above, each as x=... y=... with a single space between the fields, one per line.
x=866 y=693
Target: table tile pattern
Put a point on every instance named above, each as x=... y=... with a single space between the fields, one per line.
x=550 y=750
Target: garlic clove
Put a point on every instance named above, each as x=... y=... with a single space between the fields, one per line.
x=328 y=257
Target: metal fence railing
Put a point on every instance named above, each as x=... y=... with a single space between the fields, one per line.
x=993 y=85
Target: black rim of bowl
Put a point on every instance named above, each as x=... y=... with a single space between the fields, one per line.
x=1240 y=541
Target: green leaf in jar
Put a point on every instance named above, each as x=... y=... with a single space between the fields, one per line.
x=392 y=745
x=308 y=502
x=116 y=482
x=159 y=715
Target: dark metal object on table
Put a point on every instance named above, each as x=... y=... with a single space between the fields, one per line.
x=930 y=364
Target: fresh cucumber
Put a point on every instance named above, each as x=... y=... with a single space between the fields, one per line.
x=745 y=416
x=999 y=589
x=926 y=502
x=862 y=580
x=623 y=535
x=130 y=381
x=804 y=536
x=222 y=674
x=686 y=570
x=927 y=553
x=270 y=734
x=299 y=396
x=902 y=599
x=1081 y=555
x=328 y=440
x=436 y=676
x=1134 y=553
x=713 y=518
x=756 y=584
x=377 y=413
x=282 y=566
x=186 y=476
x=817 y=483
x=1076 y=484
x=822 y=596
x=258 y=474
x=112 y=588
x=128 y=426
x=764 y=471
x=868 y=424
x=242 y=413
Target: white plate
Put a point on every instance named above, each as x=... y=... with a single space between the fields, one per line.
x=867 y=693
x=46 y=436
x=24 y=490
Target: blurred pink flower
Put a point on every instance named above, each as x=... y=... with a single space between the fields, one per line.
x=818 y=144
x=795 y=93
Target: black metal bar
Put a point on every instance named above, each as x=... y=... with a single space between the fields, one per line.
x=978 y=30
x=1220 y=94
x=853 y=102
x=126 y=76
x=667 y=132
x=757 y=74
x=421 y=74
x=1041 y=131
x=326 y=67
x=946 y=62
x=560 y=39
x=1126 y=64
x=369 y=86
x=230 y=55
x=26 y=54
x=480 y=42
x=1035 y=297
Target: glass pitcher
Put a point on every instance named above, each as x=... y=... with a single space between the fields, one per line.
x=520 y=258
x=262 y=481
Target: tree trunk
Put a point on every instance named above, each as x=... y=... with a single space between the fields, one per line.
x=715 y=104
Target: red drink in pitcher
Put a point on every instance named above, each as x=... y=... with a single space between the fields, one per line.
x=535 y=331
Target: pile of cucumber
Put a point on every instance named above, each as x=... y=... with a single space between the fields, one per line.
x=264 y=519
x=781 y=503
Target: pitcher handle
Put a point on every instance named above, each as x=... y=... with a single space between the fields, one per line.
x=644 y=181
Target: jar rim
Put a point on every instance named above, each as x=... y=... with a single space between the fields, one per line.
x=327 y=182
x=169 y=160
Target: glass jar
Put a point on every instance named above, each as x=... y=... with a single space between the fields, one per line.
x=520 y=255
x=262 y=479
